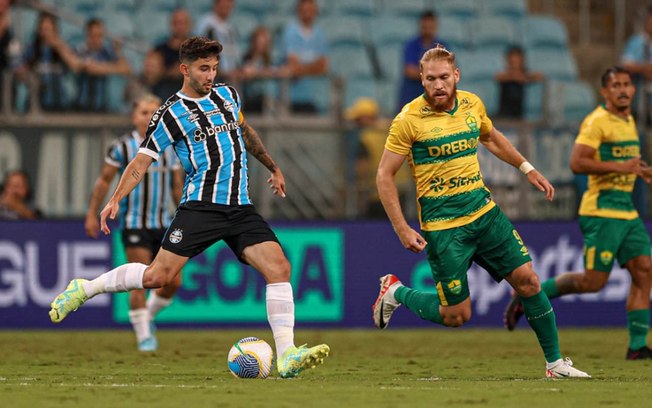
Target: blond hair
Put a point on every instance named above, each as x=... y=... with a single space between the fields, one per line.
x=437 y=53
x=146 y=98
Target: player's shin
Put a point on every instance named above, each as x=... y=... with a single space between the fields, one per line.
x=541 y=318
x=280 y=314
x=638 y=324
x=121 y=279
x=425 y=305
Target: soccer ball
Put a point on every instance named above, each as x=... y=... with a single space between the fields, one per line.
x=250 y=357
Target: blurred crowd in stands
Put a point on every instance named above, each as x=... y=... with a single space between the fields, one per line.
x=294 y=60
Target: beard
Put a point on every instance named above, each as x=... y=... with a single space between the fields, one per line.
x=442 y=105
x=199 y=87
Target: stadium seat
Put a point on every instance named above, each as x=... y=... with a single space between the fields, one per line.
x=554 y=63
x=259 y=7
x=343 y=30
x=534 y=95
x=322 y=93
x=462 y=9
x=359 y=87
x=454 y=32
x=387 y=94
x=350 y=62
x=135 y=59
x=85 y=7
x=577 y=100
x=405 y=8
x=157 y=27
x=159 y=5
x=512 y=9
x=23 y=22
x=492 y=33
x=390 y=59
x=109 y=7
x=72 y=34
x=120 y=24
x=487 y=90
x=276 y=24
x=478 y=65
x=358 y=8
x=392 y=30
x=544 y=31
x=245 y=24
x=116 y=94
x=198 y=9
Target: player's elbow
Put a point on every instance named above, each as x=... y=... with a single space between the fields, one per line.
x=576 y=167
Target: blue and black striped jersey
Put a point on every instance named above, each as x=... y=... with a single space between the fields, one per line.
x=148 y=205
x=205 y=133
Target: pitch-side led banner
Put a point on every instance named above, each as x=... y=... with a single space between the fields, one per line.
x=335 y=271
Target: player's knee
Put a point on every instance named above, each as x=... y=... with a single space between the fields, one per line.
x=279 y=270
x=592 y=286
x=528 y=286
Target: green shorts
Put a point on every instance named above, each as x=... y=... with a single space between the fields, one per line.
x=608 y=238
x=491 y=241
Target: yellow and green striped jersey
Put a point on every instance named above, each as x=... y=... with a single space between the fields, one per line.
x=442 y=152
x=614 y=139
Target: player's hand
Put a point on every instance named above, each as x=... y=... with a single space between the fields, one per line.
x=542 y=184
x=277 y=183
x=411 y=240
x=634 y=165
x=109 y=211
x=646 y=173
x=92 y=226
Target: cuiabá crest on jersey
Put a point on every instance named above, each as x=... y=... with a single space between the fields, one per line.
x=455 y=286
x=606 y=257
x=471 y=122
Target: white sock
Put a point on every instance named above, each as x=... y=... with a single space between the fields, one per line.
x=139 y=319
x=121 y=279
x=156 y=303
x=280 y=314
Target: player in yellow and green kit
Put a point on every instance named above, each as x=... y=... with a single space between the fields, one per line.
x=439 y=132
x=607 y=149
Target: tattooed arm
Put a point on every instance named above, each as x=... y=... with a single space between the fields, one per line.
x=132 y=175
x=254 y=145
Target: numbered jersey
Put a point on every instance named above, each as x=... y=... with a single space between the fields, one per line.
x=442 y=152
x=614 y=139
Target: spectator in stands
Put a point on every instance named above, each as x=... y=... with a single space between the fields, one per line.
x=99 y=61
x=15 y=197
x=152 y=80
x=305 y=51
x=6 y=37
x=637 y=59
x=365 y=148
x=512 y=82
x=217 y=26
x=412 y=52
x=49 y=58
x=257 y=68
x=180 y=28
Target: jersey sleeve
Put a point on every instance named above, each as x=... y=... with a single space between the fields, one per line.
x=401 y=136
x=485 y=122
x=590 y=134
x=160 y=134
x=115 y=155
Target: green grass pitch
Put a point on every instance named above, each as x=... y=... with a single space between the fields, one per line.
x=367 y=368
